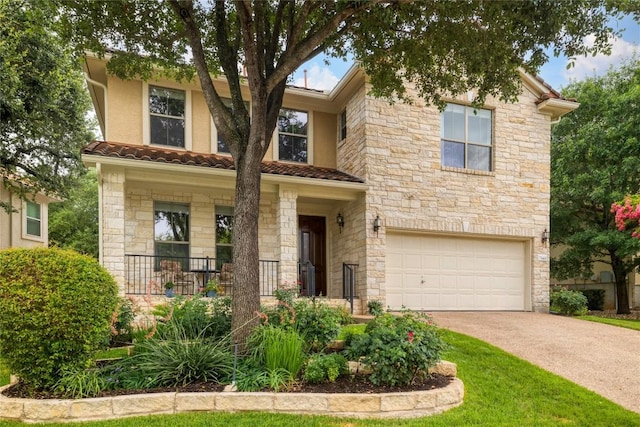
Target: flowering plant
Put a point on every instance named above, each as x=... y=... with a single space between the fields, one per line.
x=628 y=215
x=213 y=286
x=399 y=350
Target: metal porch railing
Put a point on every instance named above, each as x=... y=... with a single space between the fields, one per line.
x=148 y=274
x=349 y=280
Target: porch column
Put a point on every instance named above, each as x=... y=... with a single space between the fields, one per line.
x=287 y=234
x=112 y=198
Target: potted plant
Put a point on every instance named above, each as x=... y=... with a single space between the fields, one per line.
x=212 y=288
x=168 y=289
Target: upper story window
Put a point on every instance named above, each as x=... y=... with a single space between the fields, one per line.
x=171 y=231
x=33 y=219
x=167 y=116
x=222 y=145
x=292 y=135
x=343 y=125
x=466 y=137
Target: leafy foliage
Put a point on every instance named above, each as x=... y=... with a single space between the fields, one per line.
x=74 y=222
x=398 y=350
x=122 y=329
x=274 y=347
x=374 y=307
x=595 y=151
x=325 y=367
x=197 y=317
x=43 y=103
x=55 y=312
x=174 y=358
x=595 y=299
x=571 y=303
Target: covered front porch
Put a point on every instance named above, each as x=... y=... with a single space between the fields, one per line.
x=163 y=222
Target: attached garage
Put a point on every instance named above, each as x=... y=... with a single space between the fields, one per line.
x=426 y=272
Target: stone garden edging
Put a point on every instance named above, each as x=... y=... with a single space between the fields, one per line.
x=410 y=404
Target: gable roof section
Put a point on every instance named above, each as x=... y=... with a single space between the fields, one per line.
x=178 y=157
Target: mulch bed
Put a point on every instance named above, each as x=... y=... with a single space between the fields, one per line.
x=346 y=384
x=611 y=314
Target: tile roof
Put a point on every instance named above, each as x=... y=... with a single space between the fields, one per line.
x=180 y=157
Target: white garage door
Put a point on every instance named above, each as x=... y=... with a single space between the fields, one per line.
x=454 y=273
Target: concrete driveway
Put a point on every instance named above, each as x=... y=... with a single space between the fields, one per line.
x=602 y=358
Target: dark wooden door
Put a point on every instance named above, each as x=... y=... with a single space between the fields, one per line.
x=311 y=247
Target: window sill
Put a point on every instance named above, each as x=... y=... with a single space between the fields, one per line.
x=33 y=238
x=468 y=171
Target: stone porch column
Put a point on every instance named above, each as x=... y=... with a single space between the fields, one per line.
x=287 y=234
x=112 y=199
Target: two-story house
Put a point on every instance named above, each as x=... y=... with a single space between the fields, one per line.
x=26 y=223
x=412 y=206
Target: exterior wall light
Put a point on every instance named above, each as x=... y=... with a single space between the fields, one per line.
x=545 y=236
x=376 y=224
x=340 y=221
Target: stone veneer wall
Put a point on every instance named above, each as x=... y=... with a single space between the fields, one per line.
x=128 y=224
x=398 y=153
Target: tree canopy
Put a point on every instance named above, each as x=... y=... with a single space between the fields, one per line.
x=595 y=152
x=43 y=102
x=74 y=222
x=442 y=47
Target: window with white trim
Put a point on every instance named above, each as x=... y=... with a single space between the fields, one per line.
x=466 y=137
x=292 y=135
x=33 y=219
x=167 y=116
x=222 y=145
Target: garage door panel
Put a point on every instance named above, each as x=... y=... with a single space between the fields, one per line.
x=454 y=273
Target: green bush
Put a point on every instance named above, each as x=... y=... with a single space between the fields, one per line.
x=399 y=350
x=595 y=299
x=55 y=312
x=275 y=347
x=198 y=317
x=325 y=367
x=122 y=331
x=173 y=358
x=316 y=321
x=374 y=307
x=568 y=302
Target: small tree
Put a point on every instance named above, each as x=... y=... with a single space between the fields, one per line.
x=56 y=308
x=595 y=153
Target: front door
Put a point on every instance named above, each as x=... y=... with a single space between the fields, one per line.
x=311 y=249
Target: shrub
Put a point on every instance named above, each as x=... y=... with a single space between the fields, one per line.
x=172 y=358
x=55 y=312
x=568 y=302
x=198 y=317
x=595 y=299
x=122 y=331
x=325 y=367
x=398 y=350
x=316 y=321
x=374 y=307
x=274 y=347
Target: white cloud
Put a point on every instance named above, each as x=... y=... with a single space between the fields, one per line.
x=599 y=64
x=321 y=78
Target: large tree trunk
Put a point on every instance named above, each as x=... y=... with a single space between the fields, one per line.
x=620 y=275
x=246 y=287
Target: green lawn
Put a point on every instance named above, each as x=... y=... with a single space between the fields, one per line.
x=624 y=323
x=501 y=390
x=4 y=375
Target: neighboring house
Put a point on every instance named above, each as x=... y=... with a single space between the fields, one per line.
x=415 y=207
x=602 y=278
x=26 y=226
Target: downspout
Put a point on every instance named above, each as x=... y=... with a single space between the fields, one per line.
x=106 y=104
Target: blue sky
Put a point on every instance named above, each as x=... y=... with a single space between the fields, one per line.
x=555 y=73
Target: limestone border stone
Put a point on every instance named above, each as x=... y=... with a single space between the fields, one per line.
x=412 y=404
